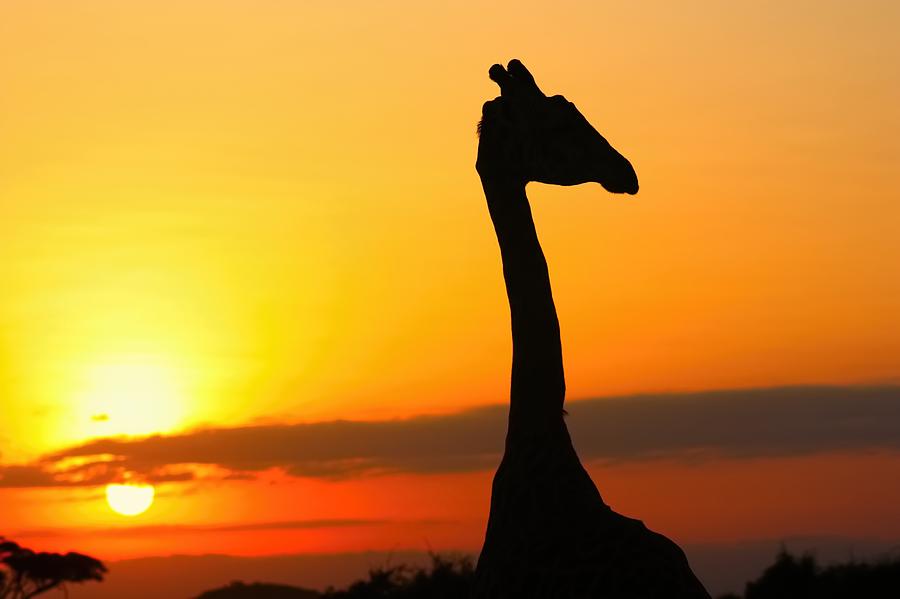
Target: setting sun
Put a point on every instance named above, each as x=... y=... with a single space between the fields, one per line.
x=129 y=499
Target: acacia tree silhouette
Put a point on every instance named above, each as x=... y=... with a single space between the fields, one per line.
x=549 y=533
x=26 y=573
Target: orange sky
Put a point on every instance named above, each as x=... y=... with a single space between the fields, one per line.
x=218 y=214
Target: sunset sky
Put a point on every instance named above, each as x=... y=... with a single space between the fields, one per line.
x=229 y=227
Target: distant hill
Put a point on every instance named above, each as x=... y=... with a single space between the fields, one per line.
x=723 y=567
x=259 y=590
x=448 y=577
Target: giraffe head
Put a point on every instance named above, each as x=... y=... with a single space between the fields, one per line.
x=546 y=139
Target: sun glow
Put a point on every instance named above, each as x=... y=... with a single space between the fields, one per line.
x=133 y=396
x=129 y=499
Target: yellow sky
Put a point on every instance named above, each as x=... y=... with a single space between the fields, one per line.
x=217 y=213
x=270 y=208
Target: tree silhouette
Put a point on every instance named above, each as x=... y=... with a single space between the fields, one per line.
x=25 y=573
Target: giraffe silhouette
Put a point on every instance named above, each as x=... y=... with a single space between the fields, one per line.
x=550 y=534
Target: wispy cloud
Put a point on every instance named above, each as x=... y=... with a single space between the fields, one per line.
x=177 y=529
x=730 y=424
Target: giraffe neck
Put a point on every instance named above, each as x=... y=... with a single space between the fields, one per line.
x=538 y=388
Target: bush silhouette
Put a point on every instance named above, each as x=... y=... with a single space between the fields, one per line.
x=793 y=577
x=447 y=578
x=789 y=577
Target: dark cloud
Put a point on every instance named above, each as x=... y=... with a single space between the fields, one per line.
x=686 y=426
x=30 y=476
x=739 y=424
x=94 y=471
